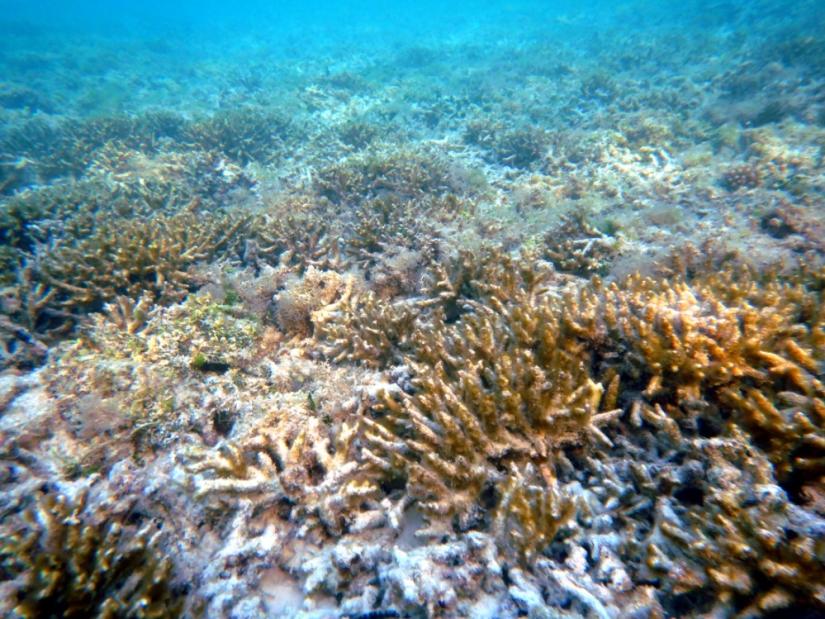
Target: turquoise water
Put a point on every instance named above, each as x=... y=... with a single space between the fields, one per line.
x=425 y=309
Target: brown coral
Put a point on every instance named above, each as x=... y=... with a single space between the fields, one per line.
x=578 y=247
x=69 y=561
x=306 y=466
x=744 y=176
x=365 y=329
x=750 y=349
x=503 y=385
x=747 y=543
x=133 y=256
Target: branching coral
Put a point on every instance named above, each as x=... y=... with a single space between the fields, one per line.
x=746 y=542
x=133 y=256
x=297 y=306
x=531 y=512
x=502 y=386
x=69 y=561
x=299 y=238
x=453 y=281
x=404 y=174
x=304 y=467
x=121 y=183
x=520 y=147
x=365 y=329
x=69 y=147
x=27 y=321
x=389 y=222
x=578 y=247
x=749 y=348
x=243 y=134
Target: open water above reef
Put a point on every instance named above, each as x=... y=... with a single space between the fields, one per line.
x=381 y=309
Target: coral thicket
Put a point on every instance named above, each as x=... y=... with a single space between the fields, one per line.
x=65 y=560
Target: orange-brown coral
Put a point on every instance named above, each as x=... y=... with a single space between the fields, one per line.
x=133 y=256
x=751 y=349
x=69 y=561
x=502 y=385
x=745 y=542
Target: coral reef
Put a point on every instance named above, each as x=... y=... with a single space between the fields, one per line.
x=757 y=551
x=61 y=559
x=295 y=466
x=578 y=247
x=523 y=318
x=744 y=176
x=135 y=256
x=242 y=134
x=363 y=328
x=397 y=173
x=298 y=305
x=502 y=386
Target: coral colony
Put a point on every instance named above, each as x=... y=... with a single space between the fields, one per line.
x=402 y=339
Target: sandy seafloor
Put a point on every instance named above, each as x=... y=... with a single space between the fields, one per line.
x=487 y=312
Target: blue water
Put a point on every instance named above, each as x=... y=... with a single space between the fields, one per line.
x=381 y=144
x=67 y=47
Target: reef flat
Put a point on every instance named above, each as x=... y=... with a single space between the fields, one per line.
x=522 y=318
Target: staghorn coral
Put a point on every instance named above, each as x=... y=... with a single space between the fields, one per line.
x=133 y=256
x=457 y=279
x=27 y=321
x=578 y=247
x=121 y=183
x=745 y=541
x=388 y=222
x=299 y=304
x=368 y=330
x=296 y=234
x=243 y=134
x=530 y=512
x=401 y=173
x=68 y=148
x=502 y=385
x=521 y=147
x=304 y=466
x=750 y=349
x=64 y=559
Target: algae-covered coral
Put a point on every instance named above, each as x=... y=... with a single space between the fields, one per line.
x=519 y=318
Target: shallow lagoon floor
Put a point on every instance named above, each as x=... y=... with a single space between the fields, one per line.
x=486 y=312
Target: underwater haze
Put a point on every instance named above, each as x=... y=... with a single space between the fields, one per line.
x=399 y=310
